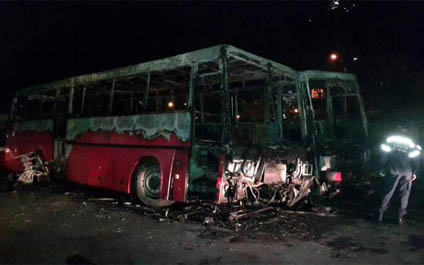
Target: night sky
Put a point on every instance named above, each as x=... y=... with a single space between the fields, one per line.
x=46 y=41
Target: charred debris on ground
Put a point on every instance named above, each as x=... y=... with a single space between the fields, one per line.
x=237 y=221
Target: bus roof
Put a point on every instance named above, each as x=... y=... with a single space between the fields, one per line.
x=318 y=74
x=205 y=55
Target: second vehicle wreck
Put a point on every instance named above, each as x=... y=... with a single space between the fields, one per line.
x=322 y=127
x=183 y=127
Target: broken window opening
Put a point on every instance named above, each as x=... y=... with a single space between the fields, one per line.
x=319 y=92
x=47 y=109
x=208 y=112
x=77 y=101
x=337 y=108
x=250 y=103
x=27 y=109
x=168 y=91
x=34 y=107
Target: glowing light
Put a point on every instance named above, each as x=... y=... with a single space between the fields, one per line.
x=334 y=4
x=317 y=93
x=170 y=104
x=296 y=110
x=414 y=153
x=237 y=116
x=333 y=57
x=185 y=104
x=400 y=140
x=177 y=176
x=355 y=58
x=386 y=148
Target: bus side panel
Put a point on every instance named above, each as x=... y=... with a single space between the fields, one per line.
x=180 y=175
x=109 y=160
x=25 y=142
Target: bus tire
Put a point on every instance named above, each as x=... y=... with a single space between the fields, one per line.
x=148 y=182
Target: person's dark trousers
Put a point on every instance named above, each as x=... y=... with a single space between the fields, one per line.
x=391 y=182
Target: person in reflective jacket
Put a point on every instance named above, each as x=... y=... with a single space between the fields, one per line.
x=400 y=164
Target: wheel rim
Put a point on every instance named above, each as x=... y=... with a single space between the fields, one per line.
x=152 y=183
x=148 y=185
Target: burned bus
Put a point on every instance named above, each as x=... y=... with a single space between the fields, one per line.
x=218 y=123
x=339 y=121
x=320 y=131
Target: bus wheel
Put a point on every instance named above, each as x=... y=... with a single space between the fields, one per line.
x=148 y=185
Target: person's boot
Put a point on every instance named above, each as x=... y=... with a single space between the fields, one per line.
x=380 y=217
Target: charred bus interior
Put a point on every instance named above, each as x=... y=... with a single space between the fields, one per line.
x=340 y=124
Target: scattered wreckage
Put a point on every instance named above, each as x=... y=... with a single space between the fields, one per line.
x=186 y=126
x=34 y=168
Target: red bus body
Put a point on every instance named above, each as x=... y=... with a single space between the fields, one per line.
x=108 y=159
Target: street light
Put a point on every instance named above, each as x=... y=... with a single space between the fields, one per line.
x=333 y=57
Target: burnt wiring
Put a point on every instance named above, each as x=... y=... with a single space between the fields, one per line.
x=244 y=180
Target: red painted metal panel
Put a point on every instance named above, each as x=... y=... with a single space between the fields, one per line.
x=180 y=176
x=21 y=143
x=109 y=160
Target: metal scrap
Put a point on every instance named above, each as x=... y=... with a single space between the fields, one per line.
x=234 y=216
x=102 y=199
x=34 y=168
x=308 y=213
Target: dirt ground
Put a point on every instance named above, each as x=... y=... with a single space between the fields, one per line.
x=57 y=224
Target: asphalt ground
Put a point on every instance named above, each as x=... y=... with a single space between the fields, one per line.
x=66 y=224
